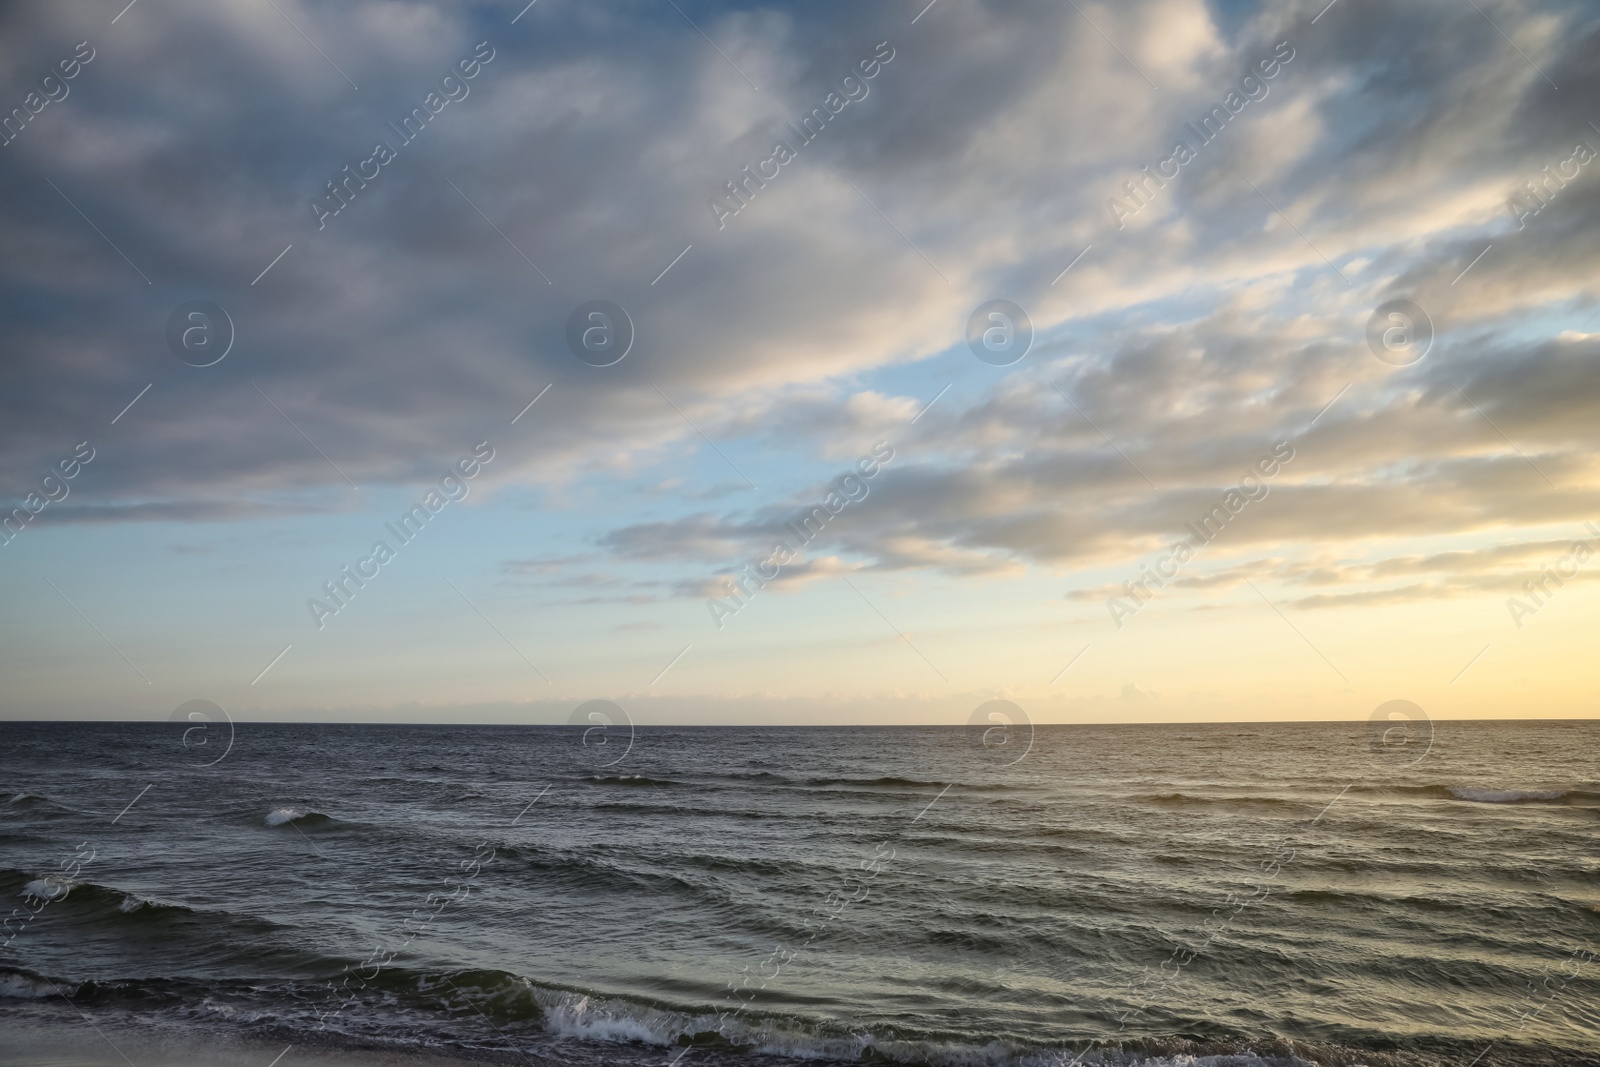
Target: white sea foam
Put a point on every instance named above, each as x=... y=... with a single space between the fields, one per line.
x=601 y=1019
x=592 y=1019
x=1504 y=796
x=588 y=1018
x=50 y=887
x=17 y=986
x=279 y=816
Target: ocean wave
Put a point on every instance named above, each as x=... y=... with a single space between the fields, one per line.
x=592 y=872
x=16 y=984
x=92 y=906
x=596 y=1019
x=665 y=805
x=1507 y=796
x=91 y=896
x=50 y=887
x=867 y=786
x=286 y=815
x=1184 y=800
x=472 y=1014
x=1477 y=794
x=889 y=780
x=629 y=779
x=24 y=805
x=620 y=1022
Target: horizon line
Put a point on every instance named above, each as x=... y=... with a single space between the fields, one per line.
x=803 y=726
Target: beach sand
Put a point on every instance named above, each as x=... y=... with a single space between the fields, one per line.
x=27 y=1044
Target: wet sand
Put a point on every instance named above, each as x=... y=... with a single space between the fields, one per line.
x=27 y=1044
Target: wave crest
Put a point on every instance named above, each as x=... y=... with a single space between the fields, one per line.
x=1506 y=796
x=51 y=887
x=24 y=985
x=284 y=816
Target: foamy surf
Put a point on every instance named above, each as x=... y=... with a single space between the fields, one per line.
x=50 y=887
x=283 y=816
x=15 y=985
x=618 y=1021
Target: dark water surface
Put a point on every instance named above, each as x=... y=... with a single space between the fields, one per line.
x=766 y=894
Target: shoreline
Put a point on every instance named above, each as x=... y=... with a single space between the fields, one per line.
x=37 y=1043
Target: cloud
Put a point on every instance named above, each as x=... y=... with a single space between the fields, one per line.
x=426 y=314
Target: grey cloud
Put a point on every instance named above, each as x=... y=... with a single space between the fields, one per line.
x=410 y=329
x=1019 y=477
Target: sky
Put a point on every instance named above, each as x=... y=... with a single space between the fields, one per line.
x=1008 y=297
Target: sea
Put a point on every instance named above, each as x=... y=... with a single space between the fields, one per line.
x=1211 y=895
